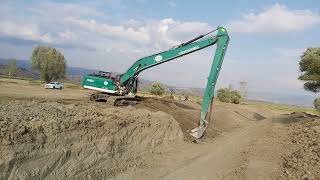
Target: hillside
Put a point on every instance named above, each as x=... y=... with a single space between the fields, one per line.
x=21 y=72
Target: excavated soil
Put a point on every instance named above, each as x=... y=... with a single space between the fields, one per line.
x=59 y=141
x=303 y=161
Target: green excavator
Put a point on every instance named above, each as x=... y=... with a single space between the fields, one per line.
x=119 y=89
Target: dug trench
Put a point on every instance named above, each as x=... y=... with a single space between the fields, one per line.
x=77 y=139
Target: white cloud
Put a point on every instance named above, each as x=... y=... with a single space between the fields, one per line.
x=85 y=26
x=151 y=35
x=111 y=31
x=64 y=9
x=277 y=18
x=67 y=35
x=25 y=32
x=185 y=29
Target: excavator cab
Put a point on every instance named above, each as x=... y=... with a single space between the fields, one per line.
x=105 y=74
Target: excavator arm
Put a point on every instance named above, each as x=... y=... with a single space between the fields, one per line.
x=206 y=108
x=128 y=79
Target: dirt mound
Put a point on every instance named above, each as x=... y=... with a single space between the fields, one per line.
x=225 y=117
x=304 y=136
x=58 y=141
x=187 y=116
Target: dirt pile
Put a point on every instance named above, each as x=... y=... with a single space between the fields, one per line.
x=186 y=115
x=224 y=118
x=304 y=161
x=58 y=141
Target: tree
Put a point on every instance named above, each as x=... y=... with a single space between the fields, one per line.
x=310 y=68
x=316 y=103
x=229 y=96
x=50 y=62
x=157 y=89
x=11 y=68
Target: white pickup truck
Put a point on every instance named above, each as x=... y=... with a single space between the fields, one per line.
x=54 y=85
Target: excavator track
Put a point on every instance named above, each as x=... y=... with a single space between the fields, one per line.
x=116 y=100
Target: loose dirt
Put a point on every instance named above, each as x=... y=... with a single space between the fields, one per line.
x=303 y=160
x=54 y=140
x=62 y=135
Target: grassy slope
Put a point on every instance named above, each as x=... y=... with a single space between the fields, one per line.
x=285 y=108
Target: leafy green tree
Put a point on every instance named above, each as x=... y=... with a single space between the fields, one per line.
x=310 y=68
x=229 y=96
x=50 y=62
x=157 y=89
x=11 y=68
x=316 y=103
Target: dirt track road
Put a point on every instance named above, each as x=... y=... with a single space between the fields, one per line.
x=223 y=157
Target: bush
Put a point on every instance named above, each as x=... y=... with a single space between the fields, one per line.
x=157 y=89
x=316 y=103
x=229 y=96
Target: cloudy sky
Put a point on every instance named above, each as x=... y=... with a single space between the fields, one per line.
x=267 y=37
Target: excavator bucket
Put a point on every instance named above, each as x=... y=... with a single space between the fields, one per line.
x=198 y=132
x=204 y=122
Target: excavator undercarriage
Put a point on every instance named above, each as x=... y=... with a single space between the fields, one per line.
x=114 y=100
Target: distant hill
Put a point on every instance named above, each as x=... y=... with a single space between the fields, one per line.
x=21 y=72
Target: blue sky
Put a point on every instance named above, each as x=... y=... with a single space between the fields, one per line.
x=267 y=37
